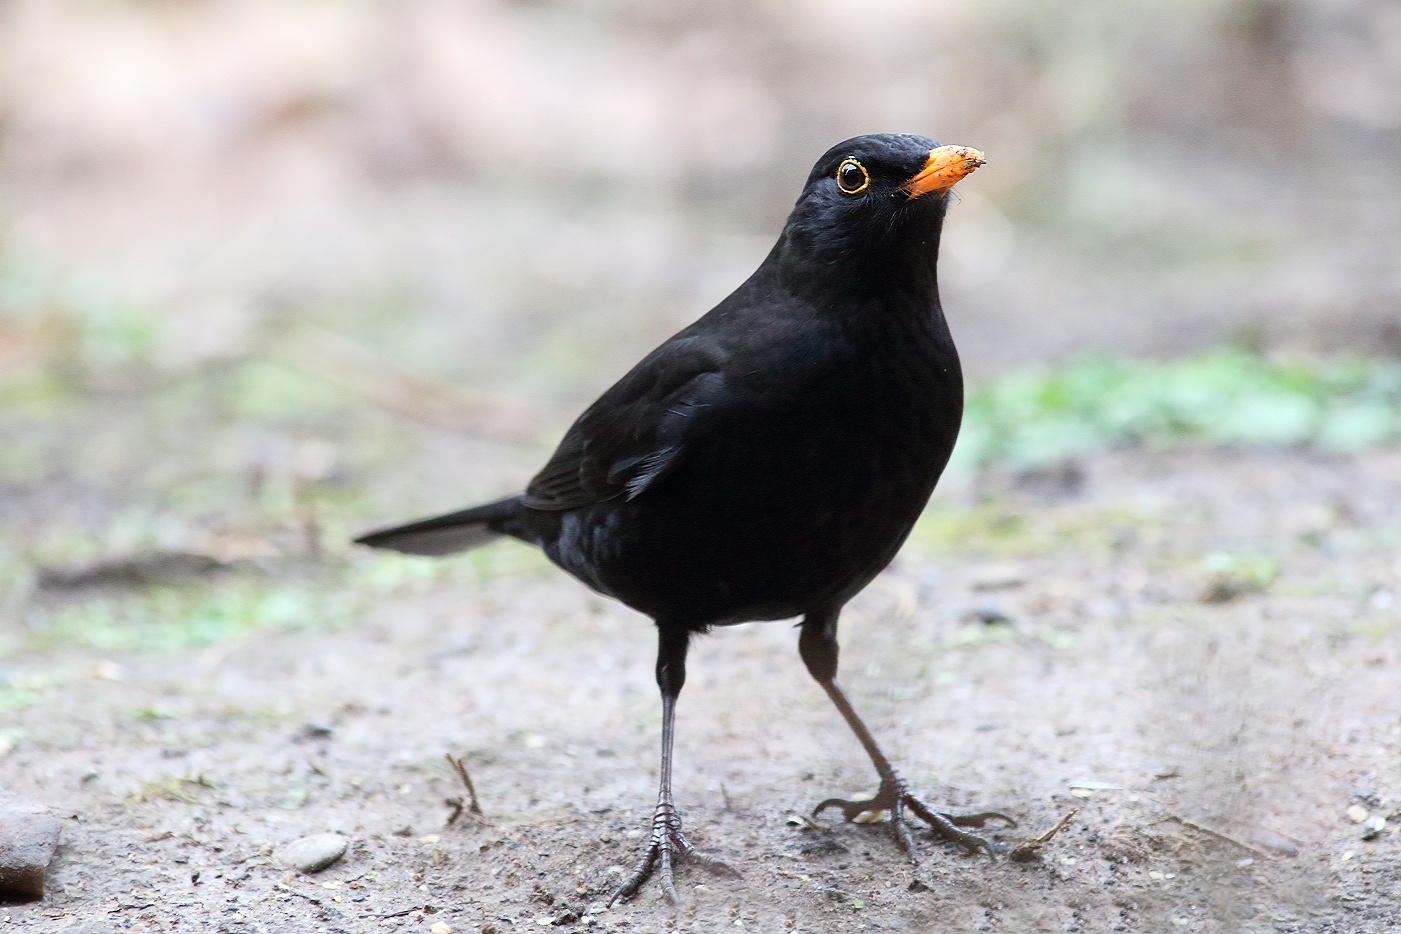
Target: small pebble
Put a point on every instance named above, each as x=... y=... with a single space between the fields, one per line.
x=314 y=853
x=440 y=927
x=1274 y=842
x=1373 y=827
x=997 y=577
x=28 y=838
x=1357 y=814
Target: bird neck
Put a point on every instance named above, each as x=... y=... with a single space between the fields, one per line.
x=853 y=265
x=894 y=276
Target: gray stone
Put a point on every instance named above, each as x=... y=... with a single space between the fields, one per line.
x=1274 y=842
x=28 y=838
x=314 y=853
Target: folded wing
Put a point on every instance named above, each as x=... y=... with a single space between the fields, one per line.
x=638 y=431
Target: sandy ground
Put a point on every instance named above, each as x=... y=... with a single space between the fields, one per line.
x=1229 y=739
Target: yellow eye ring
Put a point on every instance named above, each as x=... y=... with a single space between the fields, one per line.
x=849 y=182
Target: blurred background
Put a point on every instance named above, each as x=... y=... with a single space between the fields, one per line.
x=276 y=272
x=271 y=271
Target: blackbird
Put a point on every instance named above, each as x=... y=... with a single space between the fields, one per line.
x=769 y=460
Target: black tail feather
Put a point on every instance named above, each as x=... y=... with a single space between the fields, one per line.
x=444 y=535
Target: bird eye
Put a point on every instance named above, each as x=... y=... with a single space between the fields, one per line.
x=852 y=177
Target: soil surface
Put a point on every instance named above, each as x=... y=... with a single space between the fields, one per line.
x=1193 y=654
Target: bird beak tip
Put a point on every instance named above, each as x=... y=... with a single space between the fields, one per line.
x=943 y=169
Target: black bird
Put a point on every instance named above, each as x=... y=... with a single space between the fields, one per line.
x=769 y=460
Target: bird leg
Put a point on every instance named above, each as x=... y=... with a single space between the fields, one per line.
x=894 y=795
x=818 y=646
x=667 y=842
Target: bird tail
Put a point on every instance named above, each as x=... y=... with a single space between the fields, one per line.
x=444 y=535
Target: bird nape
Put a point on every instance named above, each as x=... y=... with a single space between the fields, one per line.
x=769 y=460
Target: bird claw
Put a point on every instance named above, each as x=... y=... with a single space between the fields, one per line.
x=666 y=844
x=894 y=796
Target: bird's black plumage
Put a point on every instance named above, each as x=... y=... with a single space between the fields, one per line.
x=769 y=460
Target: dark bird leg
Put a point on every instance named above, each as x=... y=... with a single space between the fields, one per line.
x=667 y=841
x=818 y=646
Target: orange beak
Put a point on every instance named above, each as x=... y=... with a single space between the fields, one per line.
x=946 y=165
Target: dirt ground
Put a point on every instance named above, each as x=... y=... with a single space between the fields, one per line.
x=1054 y=635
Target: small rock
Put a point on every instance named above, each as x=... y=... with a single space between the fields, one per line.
x=1373 y=827
x=440 y=927
x=1357 y=814
x=317 y=729
x=1274 y=842
x=314 y=853
x=917 y=885
x=28 y=837
x=997 y=577
x=1367 y=796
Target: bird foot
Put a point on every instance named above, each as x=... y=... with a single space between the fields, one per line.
x=665 y=846
x=894 y=796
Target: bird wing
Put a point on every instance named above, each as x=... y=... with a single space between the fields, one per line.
x=637 y=431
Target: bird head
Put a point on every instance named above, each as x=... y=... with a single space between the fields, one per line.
x=876 y=203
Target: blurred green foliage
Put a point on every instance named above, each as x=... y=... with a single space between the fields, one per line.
x=166 y=617
x=1220 y=398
